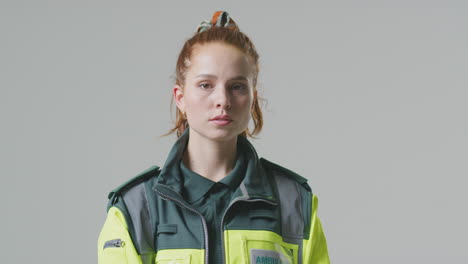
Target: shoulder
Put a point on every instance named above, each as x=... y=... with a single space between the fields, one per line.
x=285 y=173
x=145 y=176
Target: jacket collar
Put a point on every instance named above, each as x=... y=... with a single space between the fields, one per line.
x=255 y=185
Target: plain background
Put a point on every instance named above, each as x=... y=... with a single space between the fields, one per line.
x=367 y=99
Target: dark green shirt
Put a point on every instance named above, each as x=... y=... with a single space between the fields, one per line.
x=212 y=198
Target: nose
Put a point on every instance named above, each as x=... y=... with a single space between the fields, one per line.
x=223 y=98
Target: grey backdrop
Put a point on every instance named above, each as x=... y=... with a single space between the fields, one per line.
x=367 y=99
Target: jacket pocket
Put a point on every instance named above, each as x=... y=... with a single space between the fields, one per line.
x=173 y=260
x=167 y=229
x=268 y=247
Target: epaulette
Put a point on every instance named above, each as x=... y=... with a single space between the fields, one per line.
x=152 y=171
x=288 y=173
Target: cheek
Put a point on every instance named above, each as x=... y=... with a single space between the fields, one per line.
x=196 y=104
x=247 y=103
x=246 y=108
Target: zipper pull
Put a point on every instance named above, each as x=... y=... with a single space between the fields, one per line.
x=116 y=243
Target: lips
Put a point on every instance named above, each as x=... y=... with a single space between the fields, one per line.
x=222 y=118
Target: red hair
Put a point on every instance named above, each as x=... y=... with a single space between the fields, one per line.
x=230 y=35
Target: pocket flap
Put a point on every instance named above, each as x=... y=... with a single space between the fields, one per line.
x=167 y=229
x=262 y=214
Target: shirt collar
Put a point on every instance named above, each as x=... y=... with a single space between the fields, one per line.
x=195 y=185
x=255 y=183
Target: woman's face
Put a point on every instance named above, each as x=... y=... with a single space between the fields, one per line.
x=218 y=82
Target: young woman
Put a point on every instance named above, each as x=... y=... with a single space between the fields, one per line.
x=214 y=200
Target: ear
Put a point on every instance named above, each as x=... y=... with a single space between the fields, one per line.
x=178 y=94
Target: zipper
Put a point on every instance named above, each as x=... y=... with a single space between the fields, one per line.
x=180 y=203
x=116 y=243
x=244 y=199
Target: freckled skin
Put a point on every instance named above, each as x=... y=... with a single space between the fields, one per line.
x=204 y=97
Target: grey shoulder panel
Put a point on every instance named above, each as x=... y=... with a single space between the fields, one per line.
x=295 y=202
x=286 y=172
x=304 y=190
x=292 y=220
x=143 y=176
x=292 y=210
x=131 y=198
x=142 y=232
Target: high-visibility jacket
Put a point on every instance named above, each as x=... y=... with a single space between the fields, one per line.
x=271 y=219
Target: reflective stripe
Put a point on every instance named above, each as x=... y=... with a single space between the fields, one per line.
x=147 y=258
x=244 y=190
x=138 y=209
x=292 y=220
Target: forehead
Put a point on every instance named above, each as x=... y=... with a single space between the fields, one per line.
x=219 y=59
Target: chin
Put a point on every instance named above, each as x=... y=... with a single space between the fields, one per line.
x=223 y=135
x=218 y=134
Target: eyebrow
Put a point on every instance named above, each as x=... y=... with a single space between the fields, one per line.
x=240 y=77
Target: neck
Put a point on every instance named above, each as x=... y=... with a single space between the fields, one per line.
x=211 y=159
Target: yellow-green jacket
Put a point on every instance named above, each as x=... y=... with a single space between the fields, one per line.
x=272 y=219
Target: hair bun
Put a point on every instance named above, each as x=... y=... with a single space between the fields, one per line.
x=219 y=19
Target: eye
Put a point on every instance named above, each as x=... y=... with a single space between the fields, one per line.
x=238 y=86
x=204 y=85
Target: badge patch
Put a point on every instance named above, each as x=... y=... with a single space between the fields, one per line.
x=263 y=256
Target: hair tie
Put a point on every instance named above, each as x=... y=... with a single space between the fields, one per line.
x=219 y=19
